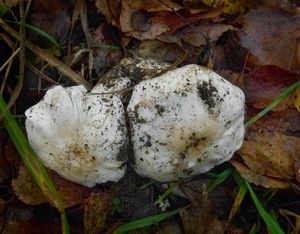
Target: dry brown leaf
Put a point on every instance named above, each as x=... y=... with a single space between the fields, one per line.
x=169 y=226
x=23 y=221
x=272 y=154
x=199 y=34
x=201 y=219
x=104 y=57
x=159 y=50
x=153 y=6
x=52 y=17
x=271 y=35
x=131 y=21
x=233 y=77
x=258 y=179
x=110 y=9
x=285 y=120
x=145 y=25
x=265 y=83
x=96 y=209
x=25 y=188
x=72 y=194
x=27 y=191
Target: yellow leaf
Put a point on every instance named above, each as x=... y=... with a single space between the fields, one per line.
x=230 y=6
x=297 y=99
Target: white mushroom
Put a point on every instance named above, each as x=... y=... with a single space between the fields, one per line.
x=80 y=136
x=185 y=122
x=127 y=74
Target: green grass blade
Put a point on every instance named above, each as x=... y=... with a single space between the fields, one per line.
x=32 y=163
x=146 y=185
x=237 y=177
x=274 y=103
x=106 y=46
x=253 y=229
x=238 y=200
x=39 y=32
x=166 y=193
x=220 y=179
x=271 y=224
x=145 y=222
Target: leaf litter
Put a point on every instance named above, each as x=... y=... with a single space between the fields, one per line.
x=254 y=45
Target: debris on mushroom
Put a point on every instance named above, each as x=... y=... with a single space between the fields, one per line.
x=128 y=73
x=184 y=123
x=80 y=136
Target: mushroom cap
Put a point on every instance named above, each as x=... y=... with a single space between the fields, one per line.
x=78 y=135
x=128 y=73
x=184 y=123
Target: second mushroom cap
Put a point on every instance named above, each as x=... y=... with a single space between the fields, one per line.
x=184 y=123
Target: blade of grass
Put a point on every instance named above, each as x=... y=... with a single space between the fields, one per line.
x=221 y=178
x=238 y=200
x=166 y=193
x=146 y=185
x=253 y=229
x=274 y=103
x=271 y=224
x=38 y=31
x=32 y=163
x=137 y=224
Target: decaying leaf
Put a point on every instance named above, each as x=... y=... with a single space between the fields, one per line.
x=265 y=83
x=25 y=188
x=72 y=194
x=96 y=210
x=144 y=24
x=22 y=221
x=168 y=52
x=106 y=54
x=219 y=199
x=201 y=219
x=27 y=191
x=153 y=6
x=138 y=24
x=110 y=9
x=270 y=154
x=259 y=179
x=169 y=226
x=229 y=6
x=199 y=34
x=285 y=120
x=271 y=35
x=52 y=17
